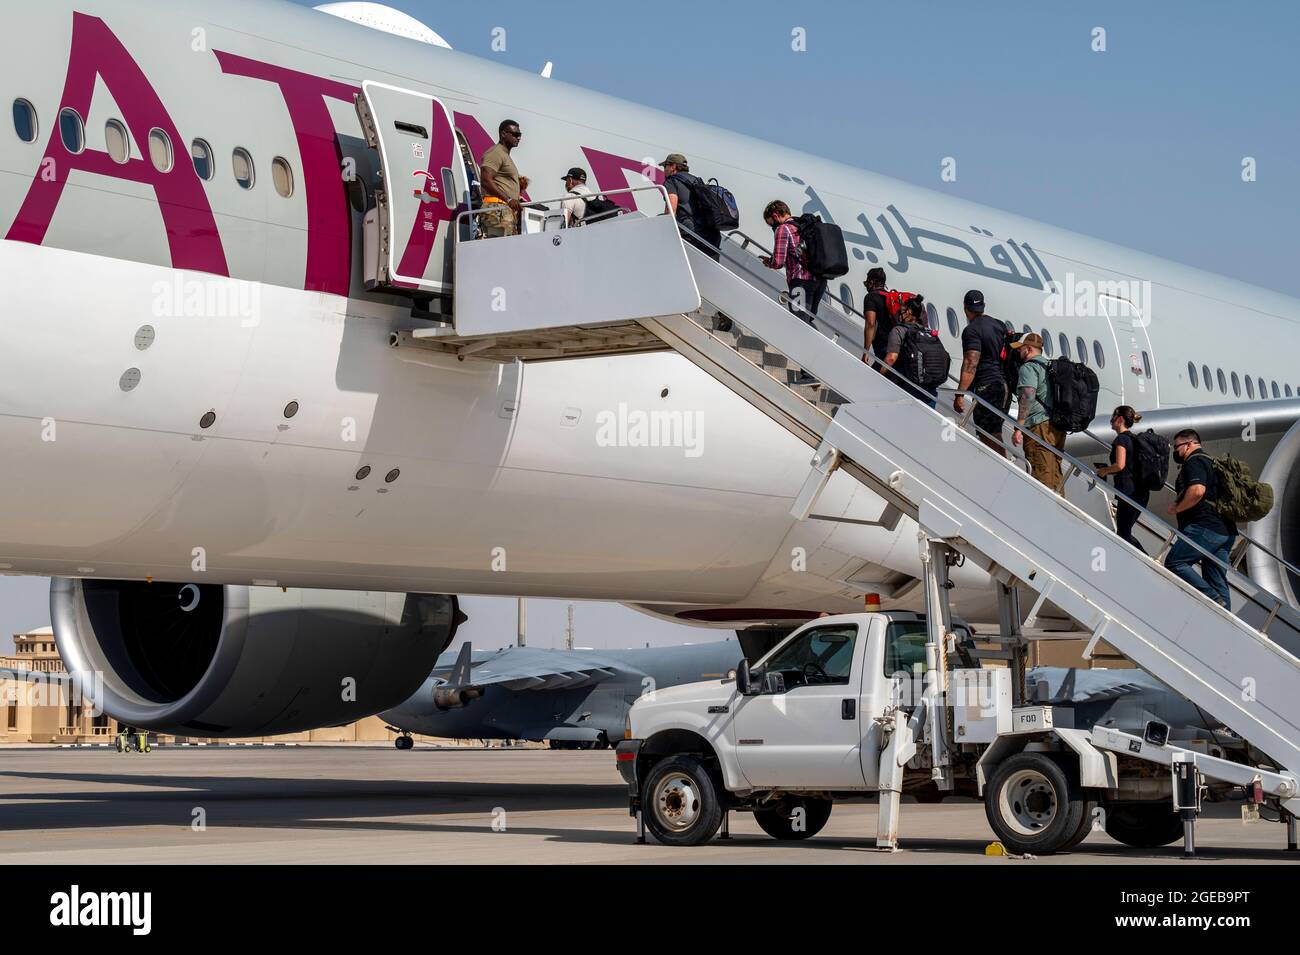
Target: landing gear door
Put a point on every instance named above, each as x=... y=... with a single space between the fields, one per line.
x=425 y=186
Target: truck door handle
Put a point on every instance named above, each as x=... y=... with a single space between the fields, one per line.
x=848 y=709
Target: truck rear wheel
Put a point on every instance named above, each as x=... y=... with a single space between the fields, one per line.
x=1033 y=806
x=680 y=803
x=794 y=818
x=1143 y=825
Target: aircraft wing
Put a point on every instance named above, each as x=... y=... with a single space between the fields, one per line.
x=525 y=668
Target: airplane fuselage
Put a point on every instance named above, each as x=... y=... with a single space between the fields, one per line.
x=196 y=383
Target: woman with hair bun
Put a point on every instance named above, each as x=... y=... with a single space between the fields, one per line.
x=1123 y=457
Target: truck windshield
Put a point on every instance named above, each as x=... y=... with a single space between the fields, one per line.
x=817 y=657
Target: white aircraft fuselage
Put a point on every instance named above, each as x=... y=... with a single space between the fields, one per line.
x=195 y=383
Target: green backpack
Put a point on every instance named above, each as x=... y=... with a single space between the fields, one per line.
x=1239 y=497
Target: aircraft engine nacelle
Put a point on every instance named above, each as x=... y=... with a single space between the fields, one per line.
x=1280 y=530
x=230 y=661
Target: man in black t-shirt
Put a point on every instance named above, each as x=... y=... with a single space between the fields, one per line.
x=1199 y=521
x=982 y=343
x=880 y=321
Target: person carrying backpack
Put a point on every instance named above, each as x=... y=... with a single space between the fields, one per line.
x=983 y=347
x=806 y=290
x=1123 y=471
x=915 y=352
x=1199 y=521
x=1035 y=401
x=681 y=187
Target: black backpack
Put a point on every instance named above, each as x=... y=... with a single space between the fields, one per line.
x=922 y=359
x=1073 y=387
x=1150 y=460
x=1011 y=360
x=713 y=206
x=598 y=208
x=824 y=253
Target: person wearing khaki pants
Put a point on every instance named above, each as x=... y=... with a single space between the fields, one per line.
x=1034 y=404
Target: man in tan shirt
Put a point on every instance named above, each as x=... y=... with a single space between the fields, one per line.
x=501 y=183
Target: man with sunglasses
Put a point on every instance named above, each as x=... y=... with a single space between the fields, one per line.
x=1199 y=520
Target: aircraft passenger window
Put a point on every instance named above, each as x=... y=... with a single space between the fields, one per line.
x=72 y=132
x=1026 y=330
x=245 y=174
x=1082 y=348
x=160 y=150
x=1288 y=391
x=1223 y=382
x=1205 y=373
x=846 y=296
x=119 y=143
x=1236 y=385
x=25 y=124
x=1250 y=387
x=932 y=317
x=1047 y=343
x=201 y=153
x=1276 y=393
x=952 y=324
x=819 y=657
x=282 y=174
x=1146 y=365
x=1191 y=375
x=1065 y=345
x=1098 y=354
x=1263 y=388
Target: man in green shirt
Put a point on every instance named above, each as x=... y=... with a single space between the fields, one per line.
x=501 y=183
x=1035 y=400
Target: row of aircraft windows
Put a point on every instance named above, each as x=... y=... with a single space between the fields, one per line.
x=1254 y=386
x=72 y=132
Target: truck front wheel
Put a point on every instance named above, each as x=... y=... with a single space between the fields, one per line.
x=794 y=818
x=680 y=802
x=1033 y=806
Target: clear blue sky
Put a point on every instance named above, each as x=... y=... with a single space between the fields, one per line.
x=1141 y=144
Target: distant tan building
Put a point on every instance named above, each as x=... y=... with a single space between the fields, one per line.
x=39 y=705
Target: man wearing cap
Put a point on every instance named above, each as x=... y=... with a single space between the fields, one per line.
x=1034 y=397
x=575 y=183
x=982 y=342
x=680 y=184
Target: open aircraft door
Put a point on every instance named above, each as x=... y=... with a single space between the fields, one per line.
x=425 y=185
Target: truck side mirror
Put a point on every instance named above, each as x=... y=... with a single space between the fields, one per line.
x=742 y=678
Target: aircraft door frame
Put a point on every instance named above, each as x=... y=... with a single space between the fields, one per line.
x=425 y=185
x=1129 y=326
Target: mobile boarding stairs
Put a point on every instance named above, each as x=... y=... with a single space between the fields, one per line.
x=632 y=284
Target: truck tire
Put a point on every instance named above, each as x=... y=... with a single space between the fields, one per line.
x=1033 y=805
x=680 y=802
x=779 y=820
x=1085 y=826
x=1143 y=825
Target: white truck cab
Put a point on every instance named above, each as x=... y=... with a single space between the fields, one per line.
x=873 y=704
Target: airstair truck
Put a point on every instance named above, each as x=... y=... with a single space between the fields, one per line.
x=876 y=704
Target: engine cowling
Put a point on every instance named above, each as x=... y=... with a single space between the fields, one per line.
x=229 y=661
x=1280 y=530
